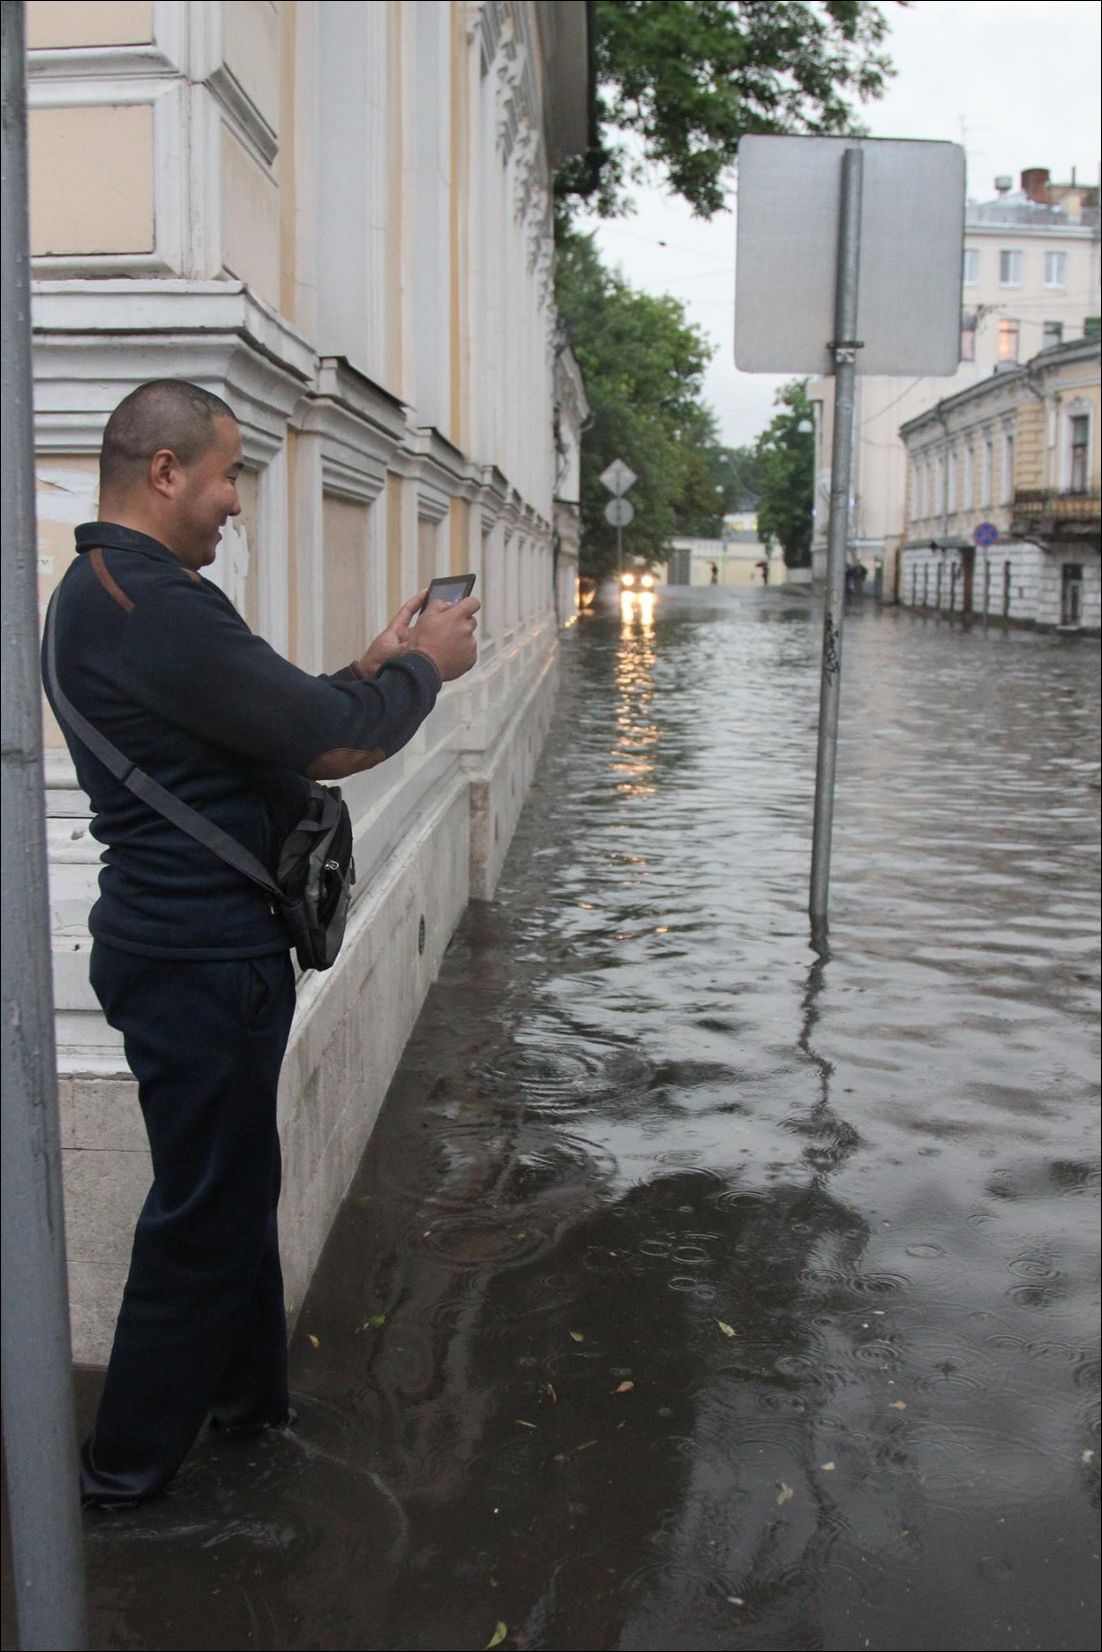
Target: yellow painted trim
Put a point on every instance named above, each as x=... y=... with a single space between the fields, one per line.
x=393 y=543
x=288 y=195
x=458 y=201
x=460 y=551
x=292 y=544
x=395 y=223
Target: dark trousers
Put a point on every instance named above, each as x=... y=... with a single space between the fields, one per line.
x=202 y=1326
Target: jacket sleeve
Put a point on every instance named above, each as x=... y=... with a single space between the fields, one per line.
x=190 y=658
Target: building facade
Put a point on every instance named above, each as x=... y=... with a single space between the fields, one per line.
x=338 y=217
x=740 y=557
x=1030 y=279
x=1003 y=513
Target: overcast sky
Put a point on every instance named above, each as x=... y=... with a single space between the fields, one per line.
x=1015 y=81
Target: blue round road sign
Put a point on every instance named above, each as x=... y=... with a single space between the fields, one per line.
x=986 y=534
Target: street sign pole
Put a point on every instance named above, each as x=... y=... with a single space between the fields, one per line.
x=844 y=348
x=39 y=1428
x=618 y=478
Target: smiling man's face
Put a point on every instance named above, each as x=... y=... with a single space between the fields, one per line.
x=206 y=496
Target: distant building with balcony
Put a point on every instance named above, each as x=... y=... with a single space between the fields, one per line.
x=1002 y=496
x=1030 y=280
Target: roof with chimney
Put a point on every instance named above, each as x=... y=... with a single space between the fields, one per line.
x=1039 y=205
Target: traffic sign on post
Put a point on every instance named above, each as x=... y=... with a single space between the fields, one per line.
x=849 y=260
x=619 y=512
x=985 y=534
x=911 y=235
x=618 y=478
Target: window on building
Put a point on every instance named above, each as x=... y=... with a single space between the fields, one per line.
x=1056 y=269
x=1079 y=474
x=1052 y=333
x=969 y=478
x=988 y=467
x=951 y=483
x=971 y=266
x=1009 y=462
x=1008 y=339
x=939 y=486
x=967 y=337
x=1010 y=269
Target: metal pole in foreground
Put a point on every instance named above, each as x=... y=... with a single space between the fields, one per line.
x=39 y=1434
x=844 y=348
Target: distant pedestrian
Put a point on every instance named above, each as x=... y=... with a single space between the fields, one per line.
x=715 y=573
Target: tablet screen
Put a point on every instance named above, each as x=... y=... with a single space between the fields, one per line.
x=452 y=588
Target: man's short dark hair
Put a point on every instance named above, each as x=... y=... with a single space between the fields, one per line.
x=163 y=413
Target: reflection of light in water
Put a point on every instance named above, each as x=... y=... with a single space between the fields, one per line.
x=637 y=611
x=636 y=730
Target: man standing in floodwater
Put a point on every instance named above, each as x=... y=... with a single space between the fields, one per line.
x=189 y=961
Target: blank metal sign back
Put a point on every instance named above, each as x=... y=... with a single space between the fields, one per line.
x=912 y=245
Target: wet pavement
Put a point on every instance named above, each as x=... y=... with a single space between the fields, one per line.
x=699 y=1290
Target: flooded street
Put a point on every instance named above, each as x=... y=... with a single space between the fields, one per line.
x=698 y=1290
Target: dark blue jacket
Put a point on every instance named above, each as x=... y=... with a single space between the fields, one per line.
x=160 y=661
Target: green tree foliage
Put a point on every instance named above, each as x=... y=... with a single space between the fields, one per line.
x=644 y=367
x=784 y=457
x=689 y=77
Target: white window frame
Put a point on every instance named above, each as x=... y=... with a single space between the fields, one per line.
x=968 y=485
x=1008 y=322
x=1051 y=259
x=951 y=482
x=971 y=266
x=1014 y=255
x=1072 y=413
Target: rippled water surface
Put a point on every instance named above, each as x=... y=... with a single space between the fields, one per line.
x=699 y=1290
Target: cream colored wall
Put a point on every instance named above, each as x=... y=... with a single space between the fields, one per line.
x=1078 y=383
x=1032 y=303
x=52 y=23
x=250 y=220
x=251 y=48
x=67 y=488
x=346 y=629
x=428 y=550
x=91 y=179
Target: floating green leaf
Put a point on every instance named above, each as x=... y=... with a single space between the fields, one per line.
x=499 y=1634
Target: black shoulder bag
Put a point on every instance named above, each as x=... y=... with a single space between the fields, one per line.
x=313 y=882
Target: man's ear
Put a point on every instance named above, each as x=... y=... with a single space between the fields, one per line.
x=164 y=471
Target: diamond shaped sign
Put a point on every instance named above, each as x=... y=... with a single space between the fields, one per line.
x=618 y=477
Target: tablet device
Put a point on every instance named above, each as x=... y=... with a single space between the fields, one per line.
x=451 y=588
